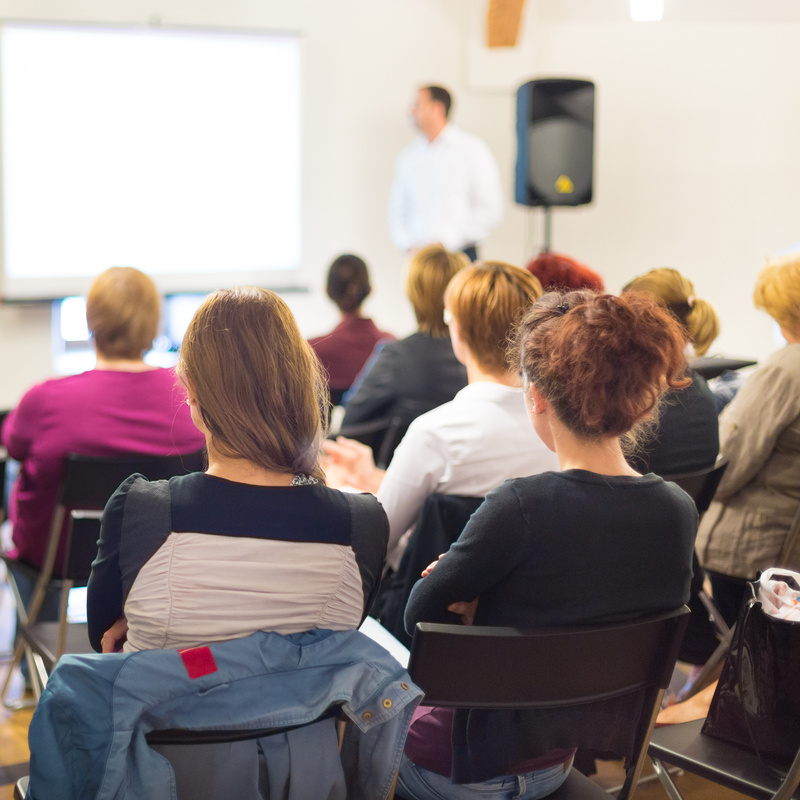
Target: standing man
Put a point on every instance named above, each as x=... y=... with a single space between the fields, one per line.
x=446 y=186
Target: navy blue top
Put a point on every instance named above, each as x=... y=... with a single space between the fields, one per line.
x=200 y=503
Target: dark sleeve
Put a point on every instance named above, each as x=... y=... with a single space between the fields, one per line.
x=490 y=547
x=370 y=535
x=377 y=390
x=104 y=593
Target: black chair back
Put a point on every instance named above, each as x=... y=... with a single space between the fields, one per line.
x=440 y=523
x=554 y=668
x=386 y=432
x=514 y=668
x=701 y=484
x=89 y=481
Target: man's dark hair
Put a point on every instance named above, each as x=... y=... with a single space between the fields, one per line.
x=440 y=95
x=348 y=282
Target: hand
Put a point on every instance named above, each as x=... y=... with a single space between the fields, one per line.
x=466 y=610
x=427 y=571
x=354 y=463
x=115 y=637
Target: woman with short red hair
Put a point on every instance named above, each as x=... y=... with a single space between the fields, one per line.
x=557 y=272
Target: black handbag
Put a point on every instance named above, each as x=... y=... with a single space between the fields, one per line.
x=757 y=701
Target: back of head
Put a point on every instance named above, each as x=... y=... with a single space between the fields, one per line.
x=256 y=381
x=778 y=291
x=348 y=283
x=429 y=271
x=601 y=361
x=487 y=300
x=562 y=273
x=440 y=95
x=676 y=292
x=123 y=309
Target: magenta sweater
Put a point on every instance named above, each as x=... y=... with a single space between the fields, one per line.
x=99 y=412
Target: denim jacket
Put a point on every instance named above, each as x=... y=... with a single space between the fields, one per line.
x=87 y=736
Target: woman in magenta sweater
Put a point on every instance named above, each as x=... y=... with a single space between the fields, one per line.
x=123 y=405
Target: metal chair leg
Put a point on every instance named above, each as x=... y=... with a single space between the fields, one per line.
x=666 y=780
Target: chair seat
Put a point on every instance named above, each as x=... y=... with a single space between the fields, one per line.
x=684 y=746
x=43 y=639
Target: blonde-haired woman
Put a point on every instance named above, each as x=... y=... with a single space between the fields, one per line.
x=413 y=375
x=676 y=292
x=123 y=405
x=257 y=542
x=745 y=528
x=685 y=437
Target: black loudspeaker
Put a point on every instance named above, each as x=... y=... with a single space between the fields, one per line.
x=555 y=142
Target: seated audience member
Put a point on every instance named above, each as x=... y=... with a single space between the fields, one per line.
x=480 y=438
x=345 y=350
x=123 y=405
x=685 y=436
x=420 y=372
x=257 y=542
x=746 y=526
x=561 y=273
x=596 y=542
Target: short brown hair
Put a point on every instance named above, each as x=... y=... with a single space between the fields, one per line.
x=256 y=381
x=123 y=310
x=602 y=361
x=487 y=300
x=429 y=272
x=778 y=291
x=440 y=95
x=676 y=292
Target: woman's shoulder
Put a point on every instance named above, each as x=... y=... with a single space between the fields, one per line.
x=787 y=357
x=583 y=482
x=56 y=387
x=306 y=509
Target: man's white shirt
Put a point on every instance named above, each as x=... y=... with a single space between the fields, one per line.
x=446 y=191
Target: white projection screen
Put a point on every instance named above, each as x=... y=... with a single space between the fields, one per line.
x=174 y=151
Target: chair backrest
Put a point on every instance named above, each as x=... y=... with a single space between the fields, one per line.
x=701 y=484
x=381 y=434
x=440 y=523
x=87 y=482
x=81 y=548
x=385 y=433
x=508 y=668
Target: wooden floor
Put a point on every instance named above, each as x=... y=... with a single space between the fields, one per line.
x=14 y=763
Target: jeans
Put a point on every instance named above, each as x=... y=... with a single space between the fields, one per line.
x=423 y=784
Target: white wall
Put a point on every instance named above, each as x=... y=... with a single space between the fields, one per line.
x=696 y=164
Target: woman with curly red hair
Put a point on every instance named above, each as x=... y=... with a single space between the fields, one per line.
x=594 y=543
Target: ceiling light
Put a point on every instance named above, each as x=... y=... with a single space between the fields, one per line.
x=647 y=10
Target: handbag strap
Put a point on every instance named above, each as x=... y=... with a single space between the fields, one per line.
x=743 y=624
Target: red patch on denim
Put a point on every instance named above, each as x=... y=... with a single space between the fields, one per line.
x=198 y=661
